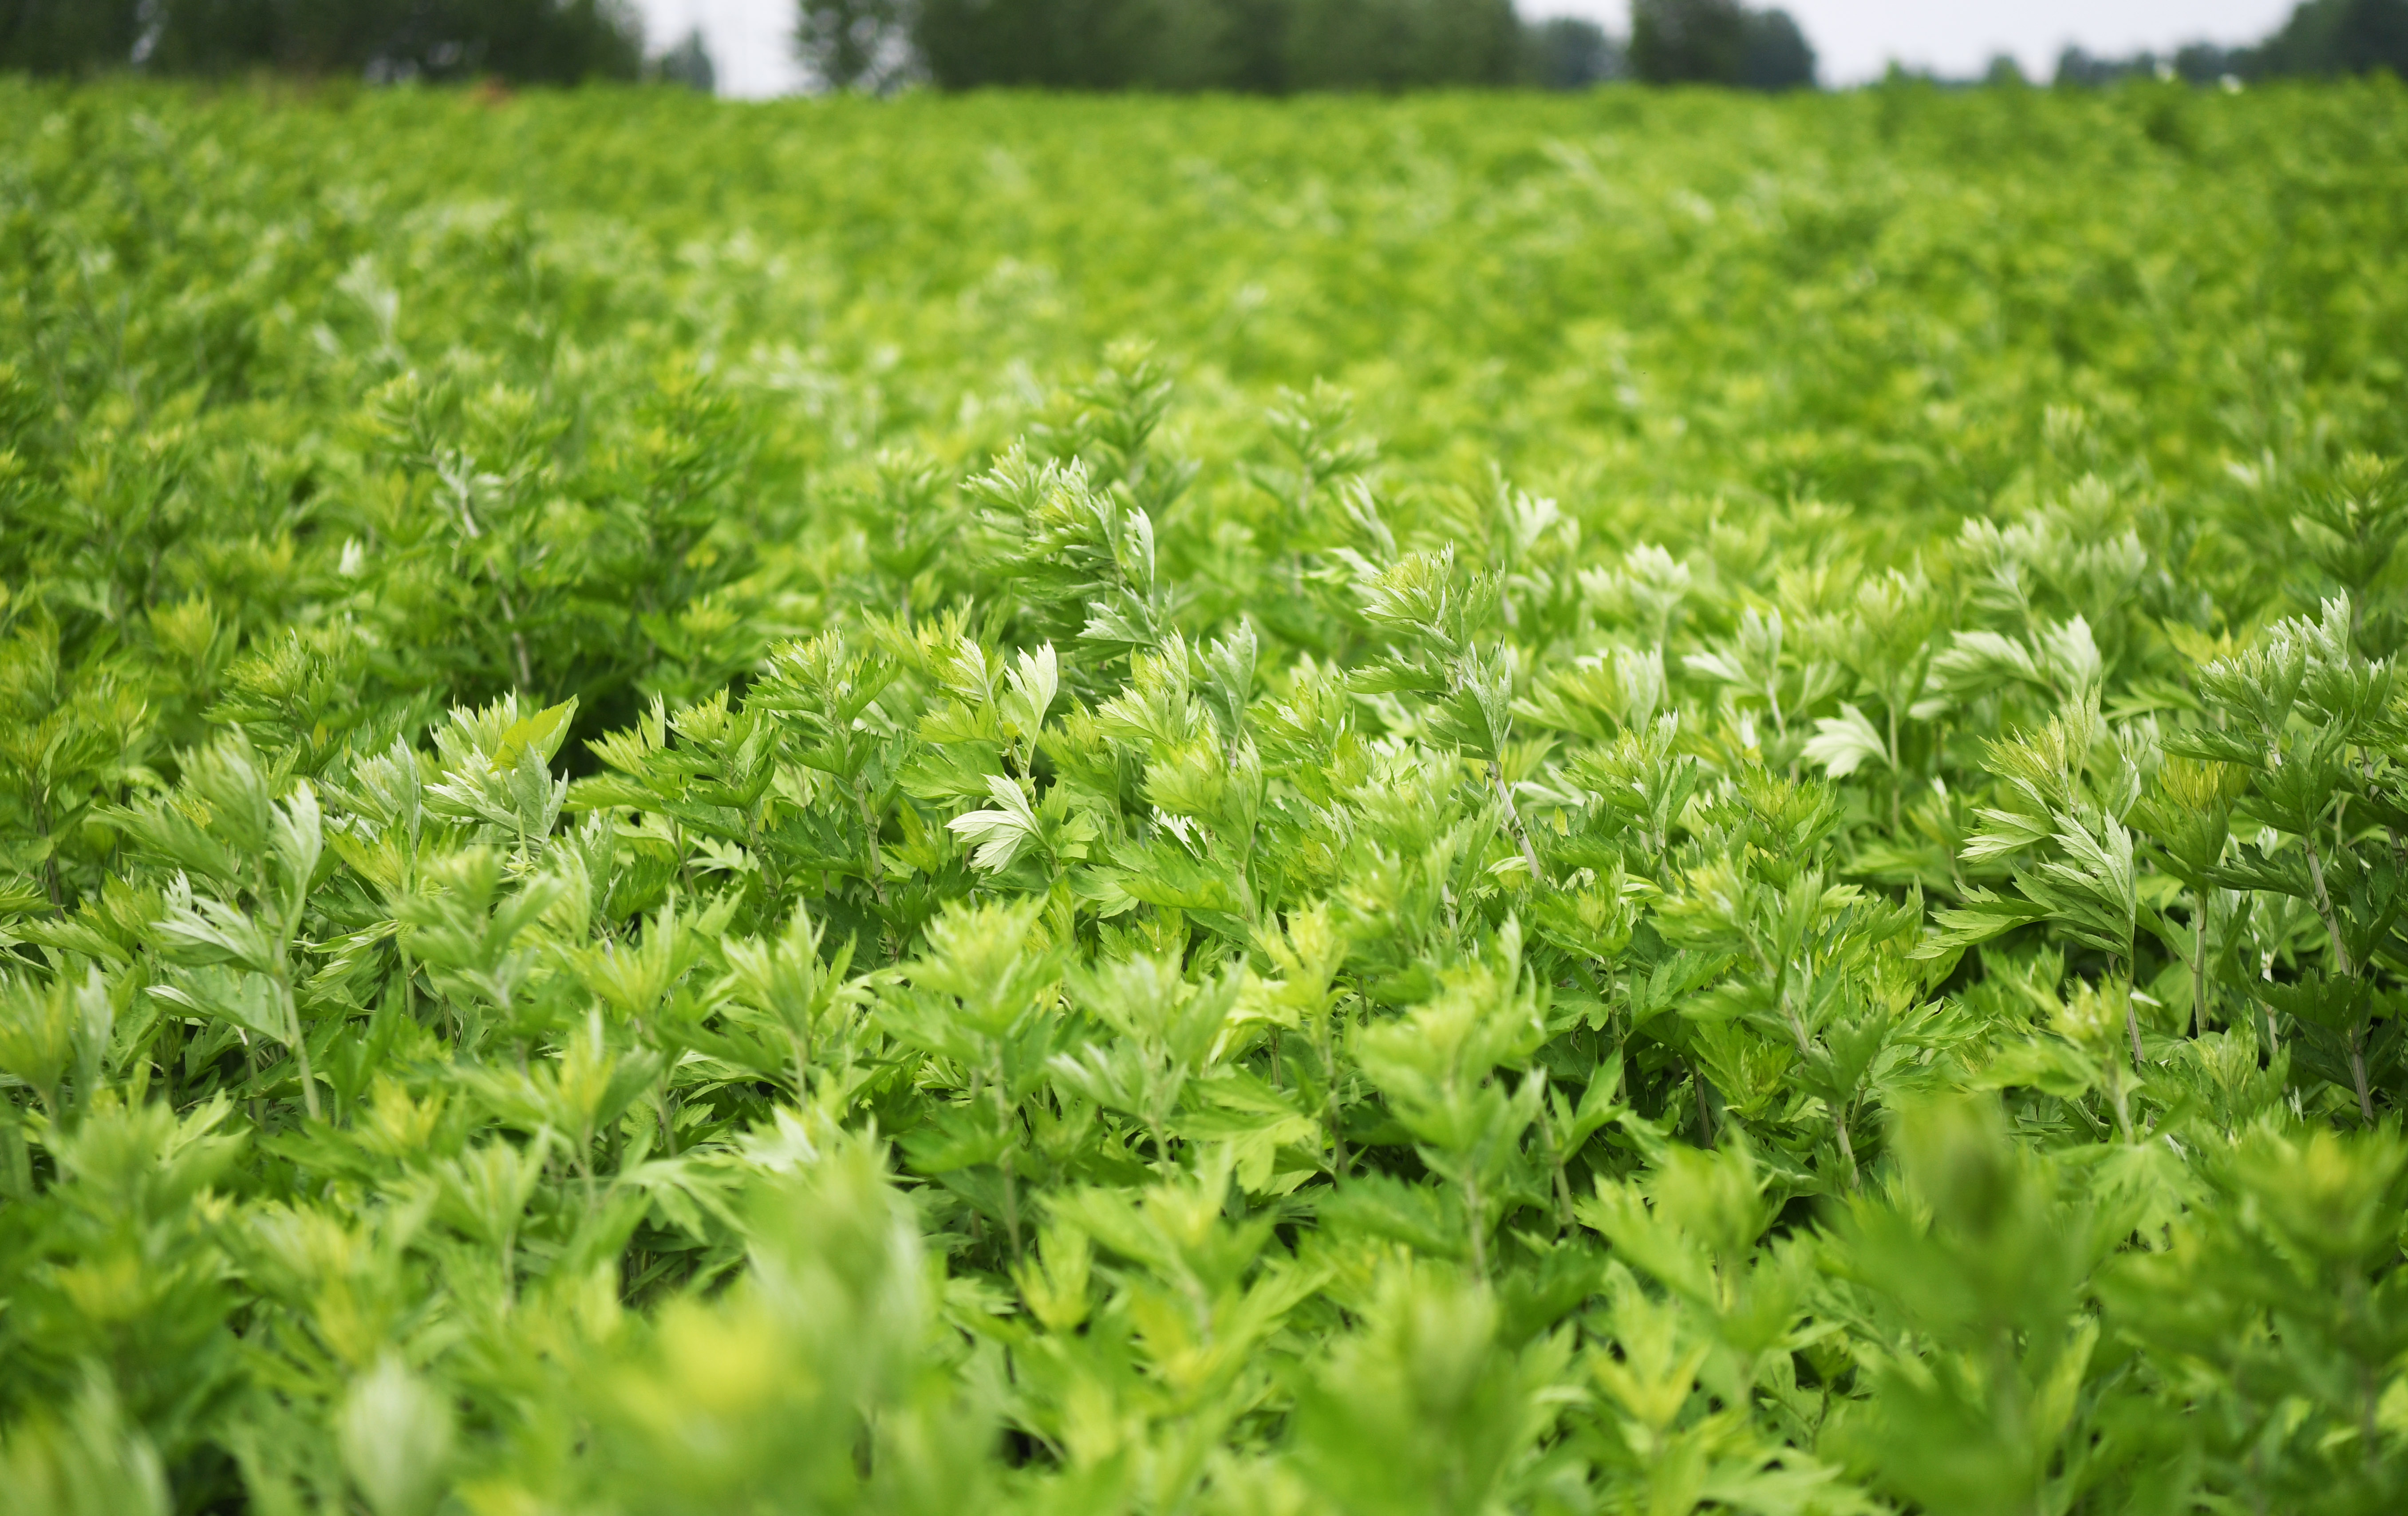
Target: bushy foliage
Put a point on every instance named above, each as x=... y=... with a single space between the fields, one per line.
x=1687 y=803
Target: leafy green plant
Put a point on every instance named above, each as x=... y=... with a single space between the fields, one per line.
x=678 y=841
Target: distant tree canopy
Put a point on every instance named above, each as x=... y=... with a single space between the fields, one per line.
x=1570 y=52
x=68 y=37
x=2338 y=36
x=1255 y=46
x=1687 y=41
x=1397 y=44
x=524 y=41
x=2321 y=39
x=1776 y=54
x=855 y=44
x=1269 y=46
x=1718 y=42
x=688 y=63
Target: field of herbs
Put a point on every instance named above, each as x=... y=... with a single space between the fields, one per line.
x=1635 y=803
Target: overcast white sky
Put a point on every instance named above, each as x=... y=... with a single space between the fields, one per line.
x=1855 y=39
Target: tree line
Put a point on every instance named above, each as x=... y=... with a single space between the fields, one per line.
x=2322 y=38
x=522 y=41
x=1264 y=47
x=1278 y=47
x=1246 y=46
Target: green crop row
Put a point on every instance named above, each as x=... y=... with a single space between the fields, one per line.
x=1643 y=804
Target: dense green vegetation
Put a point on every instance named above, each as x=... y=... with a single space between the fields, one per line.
x=1638 y=802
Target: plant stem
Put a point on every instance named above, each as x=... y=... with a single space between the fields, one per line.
x=518 y=639
x=49 y=850
x=309 y=1083
x=2358 y=1073
x=1012 y=1203
x=869 y=825
x=1479 y=1225
x=2342 y=968
x=1514 y=819
x=2325 y=909
x=1329 y=1090
x=1555 y=1163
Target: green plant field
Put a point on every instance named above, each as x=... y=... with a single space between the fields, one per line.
x=1643 y=802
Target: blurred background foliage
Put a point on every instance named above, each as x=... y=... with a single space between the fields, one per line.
x=525 y=41
x=1254 y=47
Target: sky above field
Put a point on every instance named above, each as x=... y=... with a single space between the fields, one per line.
x=1855 y=39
